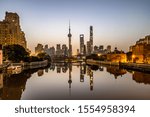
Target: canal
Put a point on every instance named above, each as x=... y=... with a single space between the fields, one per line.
x=75 y=81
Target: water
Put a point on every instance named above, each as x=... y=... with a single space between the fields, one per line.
x=75 y=81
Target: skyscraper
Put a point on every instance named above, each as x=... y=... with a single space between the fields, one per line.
x=90 y=42
x=58 y=50
x=70 y=46
x=81 y=44
x=64 y=50
x=91 y=38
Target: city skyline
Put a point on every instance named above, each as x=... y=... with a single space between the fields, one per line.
x=116 y=23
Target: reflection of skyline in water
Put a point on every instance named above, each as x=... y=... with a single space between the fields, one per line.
x=13 y=86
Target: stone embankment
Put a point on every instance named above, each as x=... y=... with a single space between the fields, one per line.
x=26 y=65
x=132 y=66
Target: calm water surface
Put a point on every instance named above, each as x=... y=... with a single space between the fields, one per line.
x=75 y=81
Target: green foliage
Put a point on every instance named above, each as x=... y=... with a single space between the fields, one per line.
x=32 y=59
x=44 y=56
x=14 y=53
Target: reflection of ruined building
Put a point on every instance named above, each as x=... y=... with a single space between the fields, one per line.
x=116 y=71
x=141 y=77
x=1 y=55
x=1 y=84
x=141 y=50
x=13 y=86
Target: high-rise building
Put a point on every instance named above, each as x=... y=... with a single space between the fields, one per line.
x=58 y=50
x=90 y=42
x=64 y=50
x=82 y=44
x=88 y=47
x=96 y=49
x=46 y=49
x=10 y=31
x=70 y=46
x=91 y=38
x=52 y=51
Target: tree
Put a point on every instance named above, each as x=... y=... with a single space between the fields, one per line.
x=14 y=53
x=129 y=56
x=44 y=56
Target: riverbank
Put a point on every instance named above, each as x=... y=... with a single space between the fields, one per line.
x=132 y=66
x=26 y=65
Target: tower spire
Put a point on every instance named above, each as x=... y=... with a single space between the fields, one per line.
x=69 y=23
x=70 y=46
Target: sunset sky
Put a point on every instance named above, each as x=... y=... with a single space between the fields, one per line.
x=118 y=23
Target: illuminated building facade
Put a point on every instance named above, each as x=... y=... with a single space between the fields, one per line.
x=82 y=44
x=141 y=50
x=90 y=42
x=117 y=56
x=1 y=55
x=10 y=31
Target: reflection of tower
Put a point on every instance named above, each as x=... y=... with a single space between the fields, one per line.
x=70 y=46
x=70 y=80
x=58 y=69
x=82 y=72
x=91 y=80
x=52 y=67
x=101 y=68
x=90 y=74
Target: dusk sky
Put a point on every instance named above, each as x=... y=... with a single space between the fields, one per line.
x=118 y=23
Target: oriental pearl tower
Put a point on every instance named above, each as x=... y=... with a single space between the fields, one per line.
x=70 y=46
